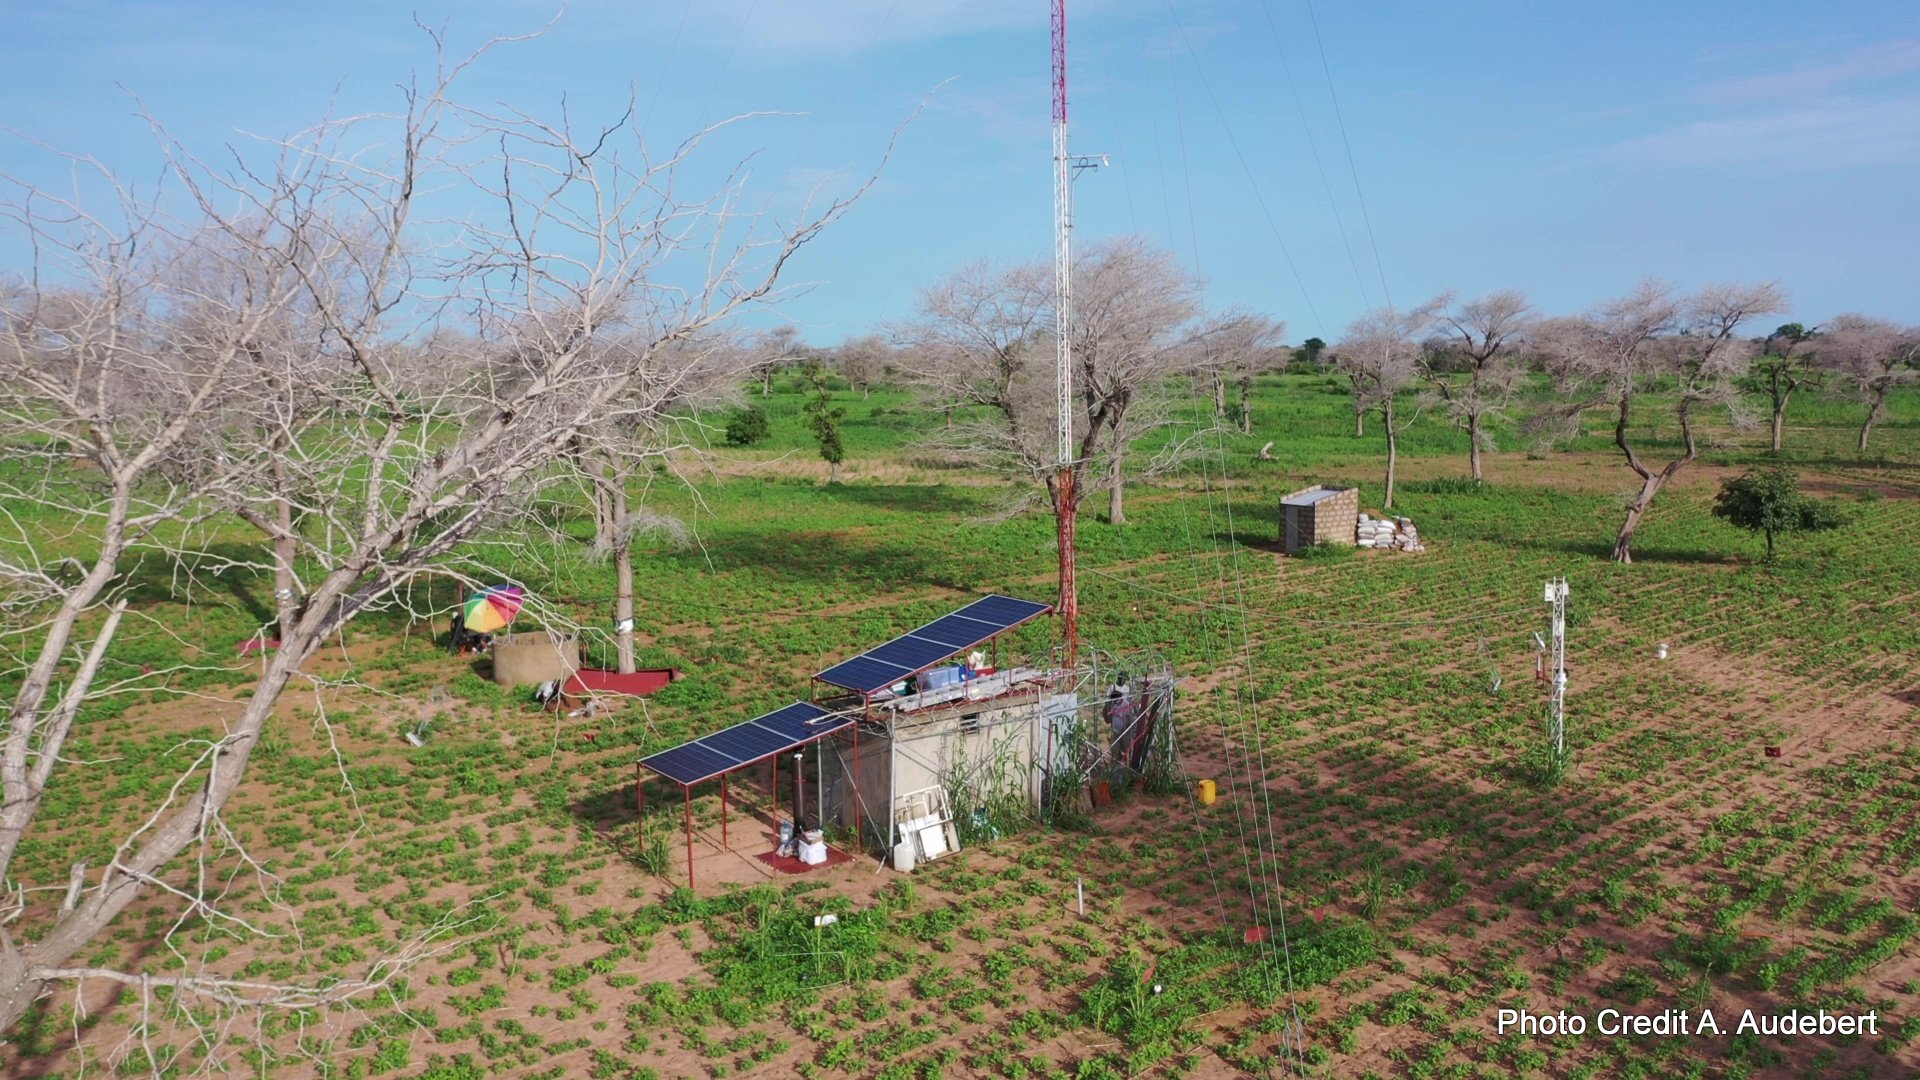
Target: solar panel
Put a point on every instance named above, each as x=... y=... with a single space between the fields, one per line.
x=1004 y=611
x=864 y=673
x=744 y=743
x=982 y=620
x=956 y=631
x=688 y=763
x=911 y=652
x=799 y=721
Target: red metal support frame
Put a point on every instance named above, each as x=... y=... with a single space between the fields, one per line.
x=723 y=812
x=688 y=789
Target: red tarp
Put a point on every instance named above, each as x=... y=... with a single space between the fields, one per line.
x=592 y=681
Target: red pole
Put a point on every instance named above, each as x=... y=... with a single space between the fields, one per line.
x=689 y=790
x=1069 y=594
x=773 y=792
x=723 y=811
x=639 y=791
x=856 y=782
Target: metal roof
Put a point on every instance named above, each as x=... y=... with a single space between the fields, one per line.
x=1308 y=498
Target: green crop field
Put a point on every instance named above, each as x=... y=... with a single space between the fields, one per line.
x=1380 y=797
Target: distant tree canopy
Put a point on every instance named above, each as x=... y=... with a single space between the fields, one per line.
x=1769 y=501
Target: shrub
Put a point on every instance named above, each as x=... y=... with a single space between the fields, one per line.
x=1325 y=552
x=748 y=426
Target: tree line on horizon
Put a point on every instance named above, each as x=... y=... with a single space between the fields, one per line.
x=982 y=342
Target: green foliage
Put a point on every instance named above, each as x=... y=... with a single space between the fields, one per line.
x=1217 y=971
x=748 y=427
x=1326 y=552
x=1769 y=501
x=1443 y=485
x=823 y=416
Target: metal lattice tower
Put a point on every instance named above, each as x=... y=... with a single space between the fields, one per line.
x=1067 y=497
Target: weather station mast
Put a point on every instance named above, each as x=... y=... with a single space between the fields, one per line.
x=1065 y=168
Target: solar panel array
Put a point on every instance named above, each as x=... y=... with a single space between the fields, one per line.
x=920 y=649
x=743 y=744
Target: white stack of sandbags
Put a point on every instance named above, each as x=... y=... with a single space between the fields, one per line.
x=1406 y=537
x=1374 y=532
x=1397 y=534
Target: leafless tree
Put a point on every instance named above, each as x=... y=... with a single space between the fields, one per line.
x=1132 y=306
x=636 y=445
x=985 y=338
x=1871 y=357
x=864 y=361
x=579 y=274
x=1380 y=357
x=779 y=347
x=1619 y=354
x=1785 y=364
x=1235 y=343
x=1484 y=336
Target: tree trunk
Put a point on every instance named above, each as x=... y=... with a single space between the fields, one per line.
x=1873 y=416
x=1393 y=448
x=165 y=839
x=1116 y=489
x=285 y=595
x=833 y=472
x=1473 y=445
x=1359 y=419
x=622 y=584
x=17 y=991
x=1769 y=545
x=1623 y=543
x=1246 y=404
x=1219 y=394
x=605 y=524
x=1779 y=411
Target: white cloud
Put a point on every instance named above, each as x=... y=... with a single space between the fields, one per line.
x=1837 y=133
x=1883 y=61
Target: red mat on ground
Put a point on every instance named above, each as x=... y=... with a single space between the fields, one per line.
x=787 y=864
x=593 y=681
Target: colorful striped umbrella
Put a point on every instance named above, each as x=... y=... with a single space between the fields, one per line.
x=491 y=609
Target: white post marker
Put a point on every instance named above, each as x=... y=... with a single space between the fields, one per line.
x=1556 y=595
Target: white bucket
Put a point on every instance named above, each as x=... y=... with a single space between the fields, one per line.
x=903 y=856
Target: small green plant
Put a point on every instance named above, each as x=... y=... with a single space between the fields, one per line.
x=823 y=419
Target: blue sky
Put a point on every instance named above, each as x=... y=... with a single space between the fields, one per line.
x=1566 y=150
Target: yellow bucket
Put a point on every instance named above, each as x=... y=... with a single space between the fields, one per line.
x=1207 y=793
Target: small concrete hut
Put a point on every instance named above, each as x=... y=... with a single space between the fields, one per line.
x=1318 y=515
